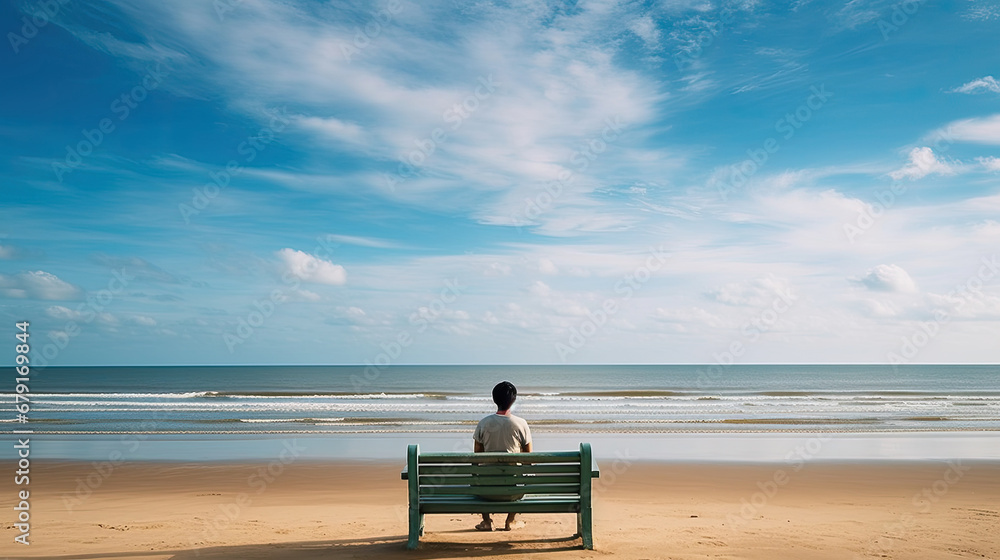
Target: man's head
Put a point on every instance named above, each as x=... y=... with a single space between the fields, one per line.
x=504 y=394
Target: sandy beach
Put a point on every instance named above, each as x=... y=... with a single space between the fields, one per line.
x=644 y=510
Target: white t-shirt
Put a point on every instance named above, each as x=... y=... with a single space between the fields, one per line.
x=502 y=434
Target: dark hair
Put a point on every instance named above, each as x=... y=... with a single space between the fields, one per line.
x=504 y=394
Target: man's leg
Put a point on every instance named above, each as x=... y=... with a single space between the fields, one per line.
x=512 y=524
x=487 y=524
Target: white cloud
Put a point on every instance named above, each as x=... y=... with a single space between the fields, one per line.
x=857 y=12
x=990 y=163
x=449 y=321
x=142 y=321
x=304 y=295
x=981 y=85
x=967 y=305
x=645 y=28
x=981 y=11
x=332 y=128
x=876 y=308
x=60 y=312
x=799 y=208
x=923 y=162
x=312 y=269
x=989 y=228
x=497 y=269
x=539 y=288
x=362 y=241
x=546 y=266
x=693 y=315
x=888 y=278
x=759 y=292
x=560 y=303
x=985 y=130
x=357 y=316
x=37 y=284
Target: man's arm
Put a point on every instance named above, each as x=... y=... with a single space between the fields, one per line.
x=478 y=447
x=526 y=448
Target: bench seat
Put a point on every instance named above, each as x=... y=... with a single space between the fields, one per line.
x=531 y=503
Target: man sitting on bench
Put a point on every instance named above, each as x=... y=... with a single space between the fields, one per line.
x=502 y=433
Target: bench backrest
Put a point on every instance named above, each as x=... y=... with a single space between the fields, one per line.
x=484 y=474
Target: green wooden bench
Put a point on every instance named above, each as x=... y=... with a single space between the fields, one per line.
x=553 y=482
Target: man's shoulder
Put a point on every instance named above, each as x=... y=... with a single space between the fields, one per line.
x=494 y=421
x=498 y=420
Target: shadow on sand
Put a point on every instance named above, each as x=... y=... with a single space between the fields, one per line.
x=384 y=547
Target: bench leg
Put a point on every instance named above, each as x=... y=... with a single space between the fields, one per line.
x=585 y=521
x=579 y=525
x=416 y=529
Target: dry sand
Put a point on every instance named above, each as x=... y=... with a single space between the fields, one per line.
x=156 y=511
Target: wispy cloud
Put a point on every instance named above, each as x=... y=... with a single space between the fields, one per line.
x=37 y=284
x=645 y=28
x=982 y=130
x=311 y=269
x=986 y=84
x=759 y=292
x=510 y=110
x=363 y=241
x=990 y=163
x=333 y=128
x=983 y=10
x=65 y=313
x=923 y=162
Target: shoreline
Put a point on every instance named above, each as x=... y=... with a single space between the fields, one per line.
x=735 y=447
x=398 y=466
x=535 y=430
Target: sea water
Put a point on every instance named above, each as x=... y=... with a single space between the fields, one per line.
x=351 y=405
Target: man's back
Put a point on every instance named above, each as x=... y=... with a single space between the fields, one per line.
x=500 y=433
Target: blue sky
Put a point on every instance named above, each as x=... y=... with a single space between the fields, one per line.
x=593 y=182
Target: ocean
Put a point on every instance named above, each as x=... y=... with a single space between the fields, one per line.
x=553 y=399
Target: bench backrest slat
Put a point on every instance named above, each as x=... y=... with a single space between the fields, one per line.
x=499 y=490
x=498 y=469
x=497 y=480
x=549 y=457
